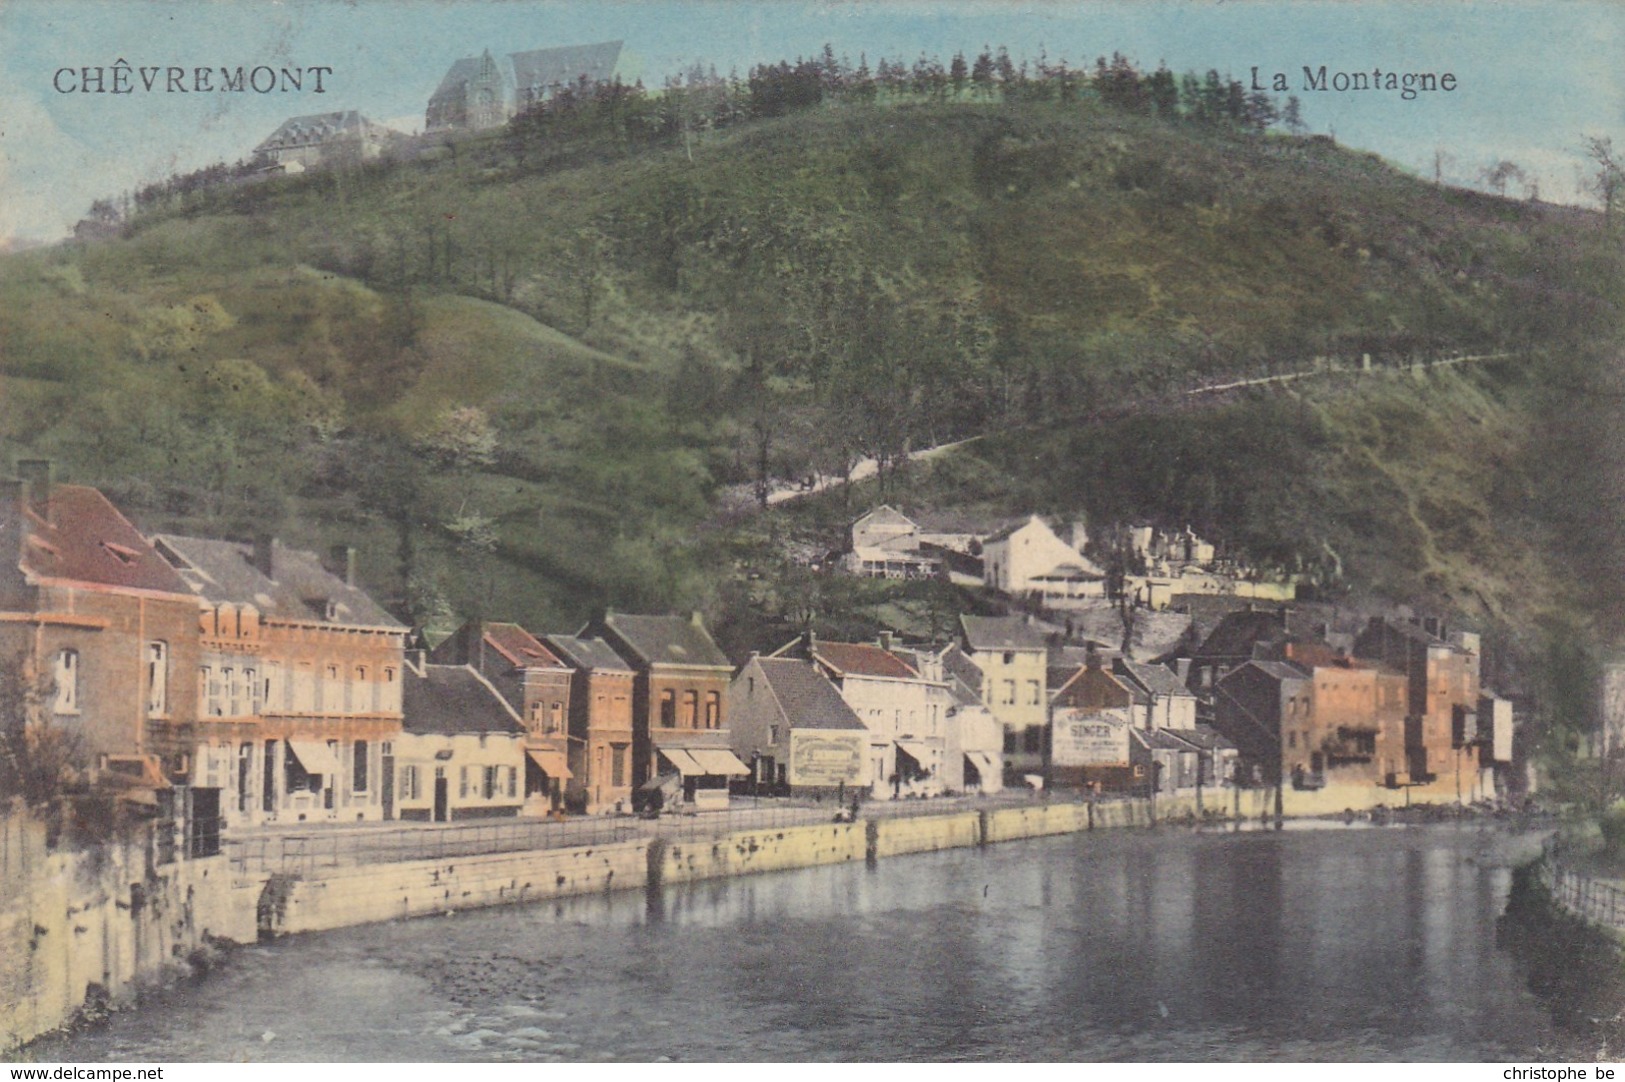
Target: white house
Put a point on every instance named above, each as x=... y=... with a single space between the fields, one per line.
x=1028 y=558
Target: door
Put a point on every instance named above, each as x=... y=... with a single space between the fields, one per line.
x=441 y=794
x=387 y=768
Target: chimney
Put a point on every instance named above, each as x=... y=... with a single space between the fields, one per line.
x=35 y=474
x=885 y=641
x=1091 y=658
x=342 y=561
x=265 y=554
x=809 y=642
x=696 y=619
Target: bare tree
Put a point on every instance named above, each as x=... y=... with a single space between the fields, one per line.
x=1608 y=182
x=1499 y=175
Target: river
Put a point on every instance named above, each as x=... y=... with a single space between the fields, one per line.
x=1324 y=944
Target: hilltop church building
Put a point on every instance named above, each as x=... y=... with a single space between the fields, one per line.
x=485 y=91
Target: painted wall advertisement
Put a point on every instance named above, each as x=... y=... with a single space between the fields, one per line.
x=827 y=758
x=1093 y=739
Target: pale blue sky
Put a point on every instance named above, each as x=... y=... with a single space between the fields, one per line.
x=1534 y=76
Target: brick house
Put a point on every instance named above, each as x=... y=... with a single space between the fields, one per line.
x=90 y=611
x=298 y=675
x=601 y=725
x=1441 y=702
x=536 y=682
x=680 y=738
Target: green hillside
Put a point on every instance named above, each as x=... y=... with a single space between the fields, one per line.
x=523 y=381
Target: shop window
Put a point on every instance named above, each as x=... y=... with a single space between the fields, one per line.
x=358 y=782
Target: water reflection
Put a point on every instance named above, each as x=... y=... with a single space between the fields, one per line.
x=1177 y=945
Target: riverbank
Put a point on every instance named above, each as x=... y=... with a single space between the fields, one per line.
x=84 y=932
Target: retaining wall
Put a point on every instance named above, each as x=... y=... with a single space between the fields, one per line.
x=925 y=834
x=750 y=851
x=365 y=893
x=86 y=928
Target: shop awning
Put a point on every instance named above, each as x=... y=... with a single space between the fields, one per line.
x=316 y=756
x=918 y=752
x=682 y=762
x=718 y=761
x=551 y=762
x=984 y=763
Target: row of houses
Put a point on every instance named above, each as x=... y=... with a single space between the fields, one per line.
x=261 y=684
x=1032 y=560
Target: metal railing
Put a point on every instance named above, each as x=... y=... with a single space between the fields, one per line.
x=290 y=853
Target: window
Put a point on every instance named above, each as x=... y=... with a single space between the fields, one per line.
x=157 y=678
x=617 y=757
x=668 y=709
x=234 y=687
x=67 y=682
x=535 y=715
x=772 y=734
x=304 y=688
x=251 y=685
x=1009 y=657
x=513 y=781
x=1292 y=738
x=1035 y=693
x=1034 y=739
x=691 y=709
x=1009 y=741
x=391 y=690
x=1009 y=693
x=556 y=719
x=713 y=710
x=462 y=781
x=489 y=789
x=356 y=699
x=409 y=783
x=245 y=776
x=268 y=792
x=358 y=783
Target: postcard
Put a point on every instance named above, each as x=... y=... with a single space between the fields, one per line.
x=905 y=531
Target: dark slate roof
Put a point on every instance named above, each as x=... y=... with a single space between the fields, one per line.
x=564 y=66
x=1237 y=633
x=317 y=128
x=587 y=653
x=963 y=669
x=1279 y=670
x=86 y=540
x=1205 y=737
x=862 y=659
x=298 y=589
x=453 y=699
x=1167 y=740
x=520 y=647
x=1001 y=633
x=666 y=640
x=807 y=698
x=1156 y=679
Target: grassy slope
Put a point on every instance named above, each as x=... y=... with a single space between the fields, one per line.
x=1088 y=247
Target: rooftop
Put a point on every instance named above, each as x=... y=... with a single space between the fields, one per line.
x=807 y=698
x=1001 y=633
x=83 y=538
x=453 y=699
x=298 y=588
x=666 y=640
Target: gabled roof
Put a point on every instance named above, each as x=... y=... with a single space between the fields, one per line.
x=1004 y=534
x=806 y=697
x=1001 y=633
x=453 y=699
x=299 y=587
x=1073 y=691
x=520 y=647
x=963 y=671
x=884 y=515
x=666 y=640
x=863 y=659
x=1275 y=670
x=317 y=128
x=1237 y=632
x=1167 y=740
x=471 y=69
x=1153 y=679
x=593 y=654
x=566 y=65
x=85 y=540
